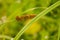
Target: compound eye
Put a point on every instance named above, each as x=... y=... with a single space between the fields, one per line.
x=18 y=18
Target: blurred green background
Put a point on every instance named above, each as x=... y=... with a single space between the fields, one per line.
x=48 y=24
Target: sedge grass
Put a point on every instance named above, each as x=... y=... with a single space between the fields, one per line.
x=44 y=12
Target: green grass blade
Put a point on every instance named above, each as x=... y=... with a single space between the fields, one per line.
x=36 y=18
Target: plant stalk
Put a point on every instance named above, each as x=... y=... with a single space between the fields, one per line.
x=36 y=18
